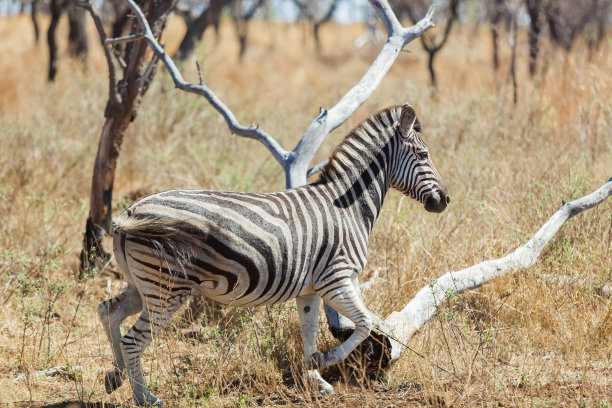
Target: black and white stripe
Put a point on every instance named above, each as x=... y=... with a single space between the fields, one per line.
x=253 y=249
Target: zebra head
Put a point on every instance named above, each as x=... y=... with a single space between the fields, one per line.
x=412 y=171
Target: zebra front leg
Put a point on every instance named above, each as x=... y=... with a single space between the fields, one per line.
x=343 y=297
x=308 y=310
x=153 y=320
x=112 y=312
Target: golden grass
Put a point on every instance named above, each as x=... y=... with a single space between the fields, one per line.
x=518 y=341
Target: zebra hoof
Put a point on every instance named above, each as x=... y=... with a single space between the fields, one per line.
x=113 y=380
x=148 y=400
x=323 y=386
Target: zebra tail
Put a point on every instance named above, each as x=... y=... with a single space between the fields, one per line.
x=147 y=227
x=172 y=239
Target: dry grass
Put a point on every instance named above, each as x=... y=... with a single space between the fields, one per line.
x=518 y=341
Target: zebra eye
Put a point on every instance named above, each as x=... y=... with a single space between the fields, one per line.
x=422 y=155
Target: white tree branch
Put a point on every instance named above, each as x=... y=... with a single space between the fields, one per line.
x=405 y=323
x=252 y=132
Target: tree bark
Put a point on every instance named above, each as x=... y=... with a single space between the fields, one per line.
x=119 y=113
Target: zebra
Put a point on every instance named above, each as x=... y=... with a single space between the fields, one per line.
x=250 y=249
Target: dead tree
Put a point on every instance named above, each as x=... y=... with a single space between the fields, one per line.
x=77 y=34
x=415 y=10
x=33 y=16
x=566 y=19
x=310 y=11
x=534 y=8
x=211 y=15
x=512 y=39
x=498 y=13
x=129 y=77
x=242 y=15
x=319 y=22
x=597 y=25
x=56 y=8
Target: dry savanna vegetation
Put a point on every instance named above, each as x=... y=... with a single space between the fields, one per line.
x=517 y=341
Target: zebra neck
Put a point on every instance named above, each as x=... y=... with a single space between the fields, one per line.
x=361 y=189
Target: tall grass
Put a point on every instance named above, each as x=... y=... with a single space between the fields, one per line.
x=518 y=341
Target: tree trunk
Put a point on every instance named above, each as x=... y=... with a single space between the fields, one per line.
x=197 y=26
x=35 y=20
x=56 y=12
x=136 y=78
x=533 y=8
x=77 y=34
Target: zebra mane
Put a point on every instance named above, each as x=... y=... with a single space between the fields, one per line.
x=369 y=133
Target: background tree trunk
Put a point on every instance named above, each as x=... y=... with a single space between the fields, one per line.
x=56 y=7
x=197 y=26
x=77 y=34
x=119 y=113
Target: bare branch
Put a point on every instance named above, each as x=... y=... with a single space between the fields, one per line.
x=421 y=308
x=280 y=154
x=122 y=40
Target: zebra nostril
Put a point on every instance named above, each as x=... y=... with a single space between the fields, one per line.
x=447 y=199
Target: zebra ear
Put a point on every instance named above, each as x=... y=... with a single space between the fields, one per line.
x=408 y=120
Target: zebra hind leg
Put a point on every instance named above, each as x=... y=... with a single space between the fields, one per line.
x=153 y=320
x=111 y=313
x=346 y=301
x=308 y=310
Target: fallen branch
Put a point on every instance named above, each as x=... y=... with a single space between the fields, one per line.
x=391 y=336
x=405 y=323
x=63 y=370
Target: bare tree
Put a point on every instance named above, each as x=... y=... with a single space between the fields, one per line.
x=33 y=16
x=242 y=13
x=211 y=15
x=498 y=12
x=566 y=19
x=324 y=19
x=415 y=10
x=512 y=39
x=311 y=11
x=534 y=8
x=137 y=66
x=77 y=34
